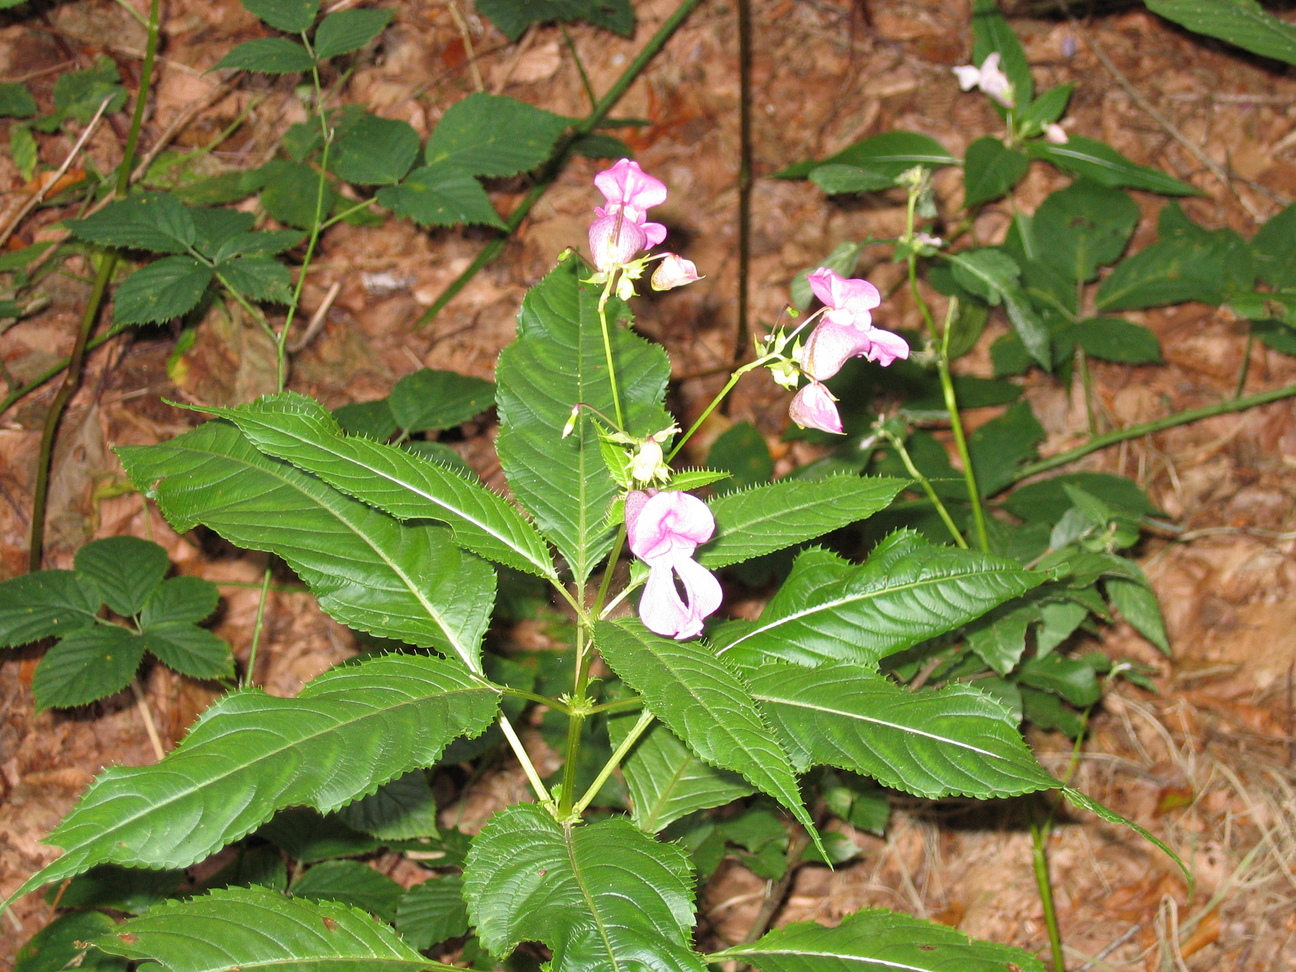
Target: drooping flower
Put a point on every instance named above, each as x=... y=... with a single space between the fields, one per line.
x=846 y=330
x=1055 y=134
x=663 y=529
x=674 y=271
x=813 y=407
x=621 y=228
x=989 y=78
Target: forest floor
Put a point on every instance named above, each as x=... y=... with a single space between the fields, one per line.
x=1207 y=762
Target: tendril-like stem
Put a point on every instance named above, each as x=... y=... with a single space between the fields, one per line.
x=607 y=347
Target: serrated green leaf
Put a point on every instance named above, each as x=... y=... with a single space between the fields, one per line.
x=125 y=570
x=1087 y=226
x=291 y=192
x=268 y=55
x=763 y=519
x=990 y=170
x=513 y=17
x=429 y=400
x=48 y=603
x=154 y=221
x=1241 y=22
x=373 y=420
x=262 y=244
x=63 y=941
x=300 y=430
x=742 y=452
x=955 y=740
x=349 y=731
x=1001 y=445
x=350 y=883
x=253 y=929
x=992 y=34
x=1137 y=603
x=25 y=151
x=308 y=836
x=1085 y=802
x=441 y=195
x=214 y=227
x=431 y=912
x=165 y=289
x=290 y=16
x=348 y=30
x=999 y=637
x=179 y=600
x=994 y=276
x=705 y=703
x=190 y=650
x=373 y=151
x=1204 y=266
x=887 y=154
x=403 y=809
x=601 y=896
x=830 y=609
x=493 y=135
x=1070 y=678
x=86 y=666
x=16 y=101
x=872 y=941
x=667 y=781
x=79 y=94
x=556 y=361
x=1104 y=165
x=128 y=889
x=257 y=278
x=408 y=582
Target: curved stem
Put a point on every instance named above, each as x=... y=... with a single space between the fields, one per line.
x=248 y=672
x=706 y=412
x=608 y=571
x=645 y=720
x=926 y=485
x=607 y=347
x=528 y=767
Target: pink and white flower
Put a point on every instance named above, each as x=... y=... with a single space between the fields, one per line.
x=674 y=271
x=989 y=78
x=621 y=228
x=846 y=330
x=663 y=529
x=814 y=407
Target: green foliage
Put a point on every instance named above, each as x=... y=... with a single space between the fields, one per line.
x=268 y=55
x=292 y=16
x=875 y=162
x=513 y=17
x=93 y=657
x=16 y=101
x=1091 y=159
x=64 y=942
x=876 y=939
x=431 y=912
x=1241 y=22
x=990 y=170
x=601 y=895
x=349 y=731
x=254 y=929
x=350 y=883
x=349 y=30
x=373 y=151
x=742 y=452
x=556 y=361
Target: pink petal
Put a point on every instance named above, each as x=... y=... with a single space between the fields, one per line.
x=614 y=240
x=828 y=347
x=654 y=233
x=664 y=612
x=627 y=185
x=669 y=523
x=822 y=285
x=969 y=76
x=884 y=347
x=813 y=407
x=674 y=271
x=848 y=301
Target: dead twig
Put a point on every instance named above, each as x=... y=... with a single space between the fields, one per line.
x=316 y=322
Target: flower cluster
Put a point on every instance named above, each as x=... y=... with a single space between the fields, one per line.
x=621 y=230
x=663 y=529
x=845 y=331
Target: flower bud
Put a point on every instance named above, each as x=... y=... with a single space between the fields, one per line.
x=673 y=271
x=813 y=407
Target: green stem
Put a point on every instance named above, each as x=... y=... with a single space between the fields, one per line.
x=926 y=485
x=1039 y=860
x=956 y=425
x=645 y=720
x=246 y=680
x=580 y=67
x=76 y=361
x=528 y=767
x=550 y=171
x=541 y=699
x=601 y=598
x=607 y=347
x=620 y=705
x=1150 y=428
x=1086 y=383
x=575 y=723
x=1246 y=361
x=706 y=412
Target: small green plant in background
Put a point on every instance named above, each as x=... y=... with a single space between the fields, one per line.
x=94 y=655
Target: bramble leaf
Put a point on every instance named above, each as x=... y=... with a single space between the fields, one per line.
x=349 y=30
x=373 y=151
x=165 y=289
x=513 y=17
x=48 y=603
x=86 y=666
x=153 y=221
x=250 y=754
x=493 y=135
x=441 y=195
x=601 y=896
x=290 y=16
x=268 y=55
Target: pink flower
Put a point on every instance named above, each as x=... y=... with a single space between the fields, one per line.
x=664 y=528
x=813 y=408
x=847 y=330
x=1055 y=134
x=989 y=78
x=674 y=271
x=621 y=228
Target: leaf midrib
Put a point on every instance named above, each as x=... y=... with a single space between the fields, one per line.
x=569 y=846
x=799 y=953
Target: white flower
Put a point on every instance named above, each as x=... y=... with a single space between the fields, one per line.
x=989 y=78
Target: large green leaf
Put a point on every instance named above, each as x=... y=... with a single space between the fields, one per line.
x=253 y=929
x=441 y=195
x=404 y=581
x=493 y=135
x=126 y=570
x=705 y=703
x=86 y=666
x=667 y=781
x=1192 y=265
x=955 y=740
x=154 y=221
x=556 y=362
x=601 y=896
x=165 y=289
x=1087 y=226
x=876 y=941
x=1103 y=164
x=886 y=155
x=905 y=593
x=763 y=519
x=45 y=604
x=1241 y=22
x=300 y=430
x=349 y=731
x=373 y=151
